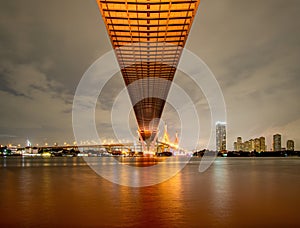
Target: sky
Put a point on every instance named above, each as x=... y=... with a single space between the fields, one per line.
x=252 y=48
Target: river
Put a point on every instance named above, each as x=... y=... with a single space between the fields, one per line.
x=233 y=192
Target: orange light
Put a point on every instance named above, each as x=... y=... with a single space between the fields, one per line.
x=148 y=37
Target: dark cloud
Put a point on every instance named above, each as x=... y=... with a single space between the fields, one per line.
x=253 y=48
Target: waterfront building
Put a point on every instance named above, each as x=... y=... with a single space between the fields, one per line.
x=247 y=146
x=257 y=144
x=262 y=144
x=252 y=145
x=235 y=146
x=220 y=136
x=290 y=145
x=277 y=142
x=238 y=145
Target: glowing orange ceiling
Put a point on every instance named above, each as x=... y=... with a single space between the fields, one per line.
x=148 y=37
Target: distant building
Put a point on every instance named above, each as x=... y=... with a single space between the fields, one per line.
x=235 y=146
x=258 y=145
x=290 y=145
x=252 y=144
x=220 y=136
x=238 y=145
x=247 y=146
x=277 y=142
x=263 y=146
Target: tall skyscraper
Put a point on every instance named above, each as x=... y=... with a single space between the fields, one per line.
x=220 y=136
x=290 y=145
x=277 y=142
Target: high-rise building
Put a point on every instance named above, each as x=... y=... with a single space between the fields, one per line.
x=257 y=144
x=247 y=146
x=235 y=146
x=252 y=145
x=262 y=144
x=220 y=136
x=238 y=145
x=290 y=145
x=277 y=142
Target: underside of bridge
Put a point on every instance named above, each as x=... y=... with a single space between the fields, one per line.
x=148 y=37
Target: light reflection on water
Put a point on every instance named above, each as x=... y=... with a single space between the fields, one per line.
x=137 y=172
x=234 y=192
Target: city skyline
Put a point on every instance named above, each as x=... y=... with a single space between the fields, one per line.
x=47 y=46
x=259 y=144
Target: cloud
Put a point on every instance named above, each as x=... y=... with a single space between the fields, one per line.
x=253 y=49
x=45 y=49
x=29 y=100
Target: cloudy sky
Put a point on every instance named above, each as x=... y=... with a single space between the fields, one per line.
x=252 y=47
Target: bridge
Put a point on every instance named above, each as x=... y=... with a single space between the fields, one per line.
x=148 y=37
x=129 y=149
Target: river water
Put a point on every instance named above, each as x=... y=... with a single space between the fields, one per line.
x=233 y=192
